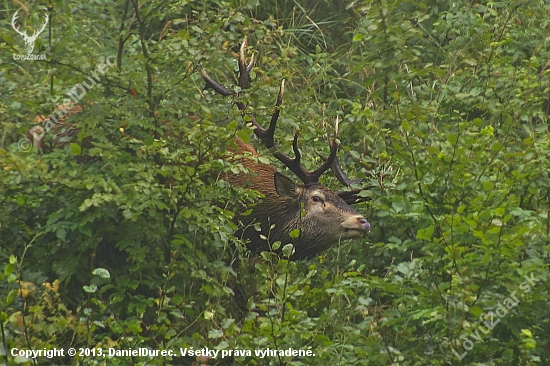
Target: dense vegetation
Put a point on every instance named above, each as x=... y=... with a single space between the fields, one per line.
x=118 y=234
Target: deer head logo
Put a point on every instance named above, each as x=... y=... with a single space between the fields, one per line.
x=29 y=40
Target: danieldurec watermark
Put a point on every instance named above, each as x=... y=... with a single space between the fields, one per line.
x=75 y=95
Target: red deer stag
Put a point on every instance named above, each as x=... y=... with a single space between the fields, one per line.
x=318 y=216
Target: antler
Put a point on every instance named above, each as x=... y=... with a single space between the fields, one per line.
x=267 y=135
x=29 y=40
x=335 y=166
x=350 y=196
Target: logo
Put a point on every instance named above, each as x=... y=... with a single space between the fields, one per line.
x=29 y=40
x=37 y=133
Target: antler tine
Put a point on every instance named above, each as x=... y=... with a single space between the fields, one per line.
x=329 y=161
x=335 y=165
x=13 y=19
x=267 y=135
x=339 y=172
x=244 y=78
x=211 y=84
x=267 y=138
x=342 y=176
x=297 y=153
x=43 y=26
x=244 y=69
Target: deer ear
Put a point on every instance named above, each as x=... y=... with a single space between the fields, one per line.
x=284 y=186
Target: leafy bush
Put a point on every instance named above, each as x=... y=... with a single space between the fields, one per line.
x=122 y=239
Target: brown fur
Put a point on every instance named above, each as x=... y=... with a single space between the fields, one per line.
x=261 y=177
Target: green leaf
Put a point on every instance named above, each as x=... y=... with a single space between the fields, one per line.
x=500 y=211
x=488 y=185
x=527 y=333
x=90 y=289
x=177 y=300
x=75 y=149
x=11 y=296
x=462 y=95
x=425 y=234
x=288 y=250
x=403 y=268
x=101 y=272
x=276 y=245
x=226 y=323
x=215 y=333
x=476 y=311
x=9 y=269
x=295 y=233
x=244 y=135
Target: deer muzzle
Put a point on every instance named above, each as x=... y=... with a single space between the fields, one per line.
x=355 y=227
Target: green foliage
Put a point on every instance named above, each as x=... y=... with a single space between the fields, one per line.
x=118 y=234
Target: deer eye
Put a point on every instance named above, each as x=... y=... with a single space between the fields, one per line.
x=316 y=199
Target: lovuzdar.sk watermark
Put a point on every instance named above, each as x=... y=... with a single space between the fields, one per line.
x=500 y=311
x=29 y=39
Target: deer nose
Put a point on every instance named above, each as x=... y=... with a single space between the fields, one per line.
x=365 y=224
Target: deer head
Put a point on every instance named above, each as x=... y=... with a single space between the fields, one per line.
x=320 y=216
